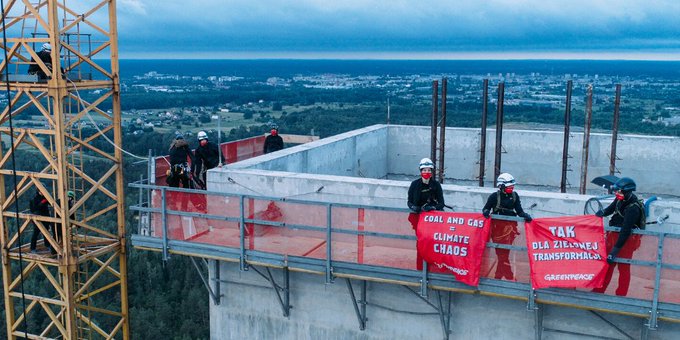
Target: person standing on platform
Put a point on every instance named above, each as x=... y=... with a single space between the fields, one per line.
x=207 y=156
x=425 y=193
x=45 y=55
x=39 y=206
x=628 y=212
x=504 y=202
x=179 y=167
x=273 y=142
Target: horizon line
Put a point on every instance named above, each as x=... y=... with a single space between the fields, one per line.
x=424 y=56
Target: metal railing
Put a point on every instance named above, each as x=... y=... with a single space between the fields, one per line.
x=656 y=265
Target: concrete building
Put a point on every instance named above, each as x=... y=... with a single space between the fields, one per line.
x=295 y=283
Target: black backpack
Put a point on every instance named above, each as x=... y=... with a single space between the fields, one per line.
x=642 y=222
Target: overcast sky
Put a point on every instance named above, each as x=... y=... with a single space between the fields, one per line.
x=627 y=29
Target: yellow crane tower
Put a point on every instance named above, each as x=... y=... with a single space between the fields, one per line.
x=60 y=127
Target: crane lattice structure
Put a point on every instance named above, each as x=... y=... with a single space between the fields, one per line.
x=61 y=133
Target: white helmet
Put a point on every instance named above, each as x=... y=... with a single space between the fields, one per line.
x=505 y=180
x=47 y=47
x=426 y=163
x=202 y=135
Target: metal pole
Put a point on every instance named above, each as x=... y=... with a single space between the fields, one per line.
x=164 y=218
x=329 y=251
x=615 y=131
x=482 y=138
x=219 y=140
x=499 y=131
x=242 y=233
x=565 y=145
x=388 y=110
x=151 y=169
x=435 y=110
x=654 y=313
x=586 y=140
x=442 y=133
x=218 y=289
x=363 y=303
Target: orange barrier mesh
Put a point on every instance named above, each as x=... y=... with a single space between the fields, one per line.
x=278 y=239
x=384 y=250
x=299 y=229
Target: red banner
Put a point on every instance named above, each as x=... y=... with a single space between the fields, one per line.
x=453 y=242
x=567 y=252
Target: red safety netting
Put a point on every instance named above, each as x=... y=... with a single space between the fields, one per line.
x=295 y=238
x=633 y=281
x=669 y=287
x=670 y=279
x=300 y=229
x=388 y=250
x=506 y=264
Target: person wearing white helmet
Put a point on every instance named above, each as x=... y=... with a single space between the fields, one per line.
x=425 y=193
x=504 y=202
x=45 y=55
x=207 y=157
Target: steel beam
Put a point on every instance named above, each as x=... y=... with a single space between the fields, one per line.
x=565 y=144
x=360 y=311
x=615 y=131
x=442 y=132
x=586 y=140
x=434 y=123
x=215 y=298
x=482 y=137
x=499 y=132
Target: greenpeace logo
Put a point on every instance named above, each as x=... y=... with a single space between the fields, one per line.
x=453 y=269
x=568 y=277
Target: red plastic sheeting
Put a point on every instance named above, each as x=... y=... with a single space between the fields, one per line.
x=304 y=234
x=232 y=152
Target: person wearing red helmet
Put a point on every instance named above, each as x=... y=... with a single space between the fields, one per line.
x=273 y=142
x=627 y=212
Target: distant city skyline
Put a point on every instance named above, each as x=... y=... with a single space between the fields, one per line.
x=400 y=29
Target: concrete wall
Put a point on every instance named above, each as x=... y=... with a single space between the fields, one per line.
x=358 y=153
x=249 y=309
x=535 y=157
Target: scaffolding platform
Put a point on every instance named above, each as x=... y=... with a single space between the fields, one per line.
x=378 y=244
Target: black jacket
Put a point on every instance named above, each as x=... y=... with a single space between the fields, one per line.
x=421 y=194
x=625 y=215
x=46 y=58
x=273 y=143
x=208 y=155
x=40 y=205
x=510 y=204
x=179 y=152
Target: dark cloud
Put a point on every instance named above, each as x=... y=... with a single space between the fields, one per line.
x=398 y=25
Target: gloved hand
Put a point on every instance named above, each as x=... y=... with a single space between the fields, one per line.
x=527 y=217
x=486 y=213
x=612 y=255
x=415 y=209
x=599 y=213
x=428 y=208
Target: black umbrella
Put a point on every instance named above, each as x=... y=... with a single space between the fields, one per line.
x=605 y=181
